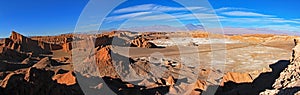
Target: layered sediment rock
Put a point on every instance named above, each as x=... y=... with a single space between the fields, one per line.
x=21 y=43
x=104 y=63
x=67 y=45
x=236 y=78
x=60 y=39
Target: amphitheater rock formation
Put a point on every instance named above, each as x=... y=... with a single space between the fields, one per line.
x=28 y=67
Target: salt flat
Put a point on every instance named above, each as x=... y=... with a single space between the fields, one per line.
x=239 y=56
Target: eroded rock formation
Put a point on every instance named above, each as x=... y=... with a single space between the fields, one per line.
x=143 y=43
x=67 y=45
x=65 y=78
x=104 y=63
x=33 y=81
x=21 y=43
x=236 y=77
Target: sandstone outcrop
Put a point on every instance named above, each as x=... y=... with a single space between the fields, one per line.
x=200 y=84
x=21 y=43
x=67 y=45
x=113 y=65
x=66 y=78
x=143 y=43
x=104 y=63
x=200 y=35
x=236 y=77
x=170 y=81
x=60 y=39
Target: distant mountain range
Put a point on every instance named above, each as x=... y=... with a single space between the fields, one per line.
x=234 y=30
x=192 y=27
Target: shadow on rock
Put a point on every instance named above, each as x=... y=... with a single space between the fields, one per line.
x=262 y=82
x=92 y=85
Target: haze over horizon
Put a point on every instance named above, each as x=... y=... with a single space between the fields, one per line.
x=53 y=17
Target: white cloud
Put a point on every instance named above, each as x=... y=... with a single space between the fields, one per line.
x=153 y=7
x=244 y=13
x=127 y=16
x=282 y=20
x=148 y=16
x=227 y=15
x=296 y=19
x=156 y=17
x=286 y=27
x=135 y=8
x=202 y=16
x=240 y=20
x=229 y=9
x=278 y=25
x=179 y=16
x=181 y=13
x=89 y=26
x=257 y=30
x=259 y=20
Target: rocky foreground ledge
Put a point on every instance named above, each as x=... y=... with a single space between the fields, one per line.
x=288 y=82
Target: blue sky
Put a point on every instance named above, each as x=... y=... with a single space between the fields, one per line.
x=52 y=17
